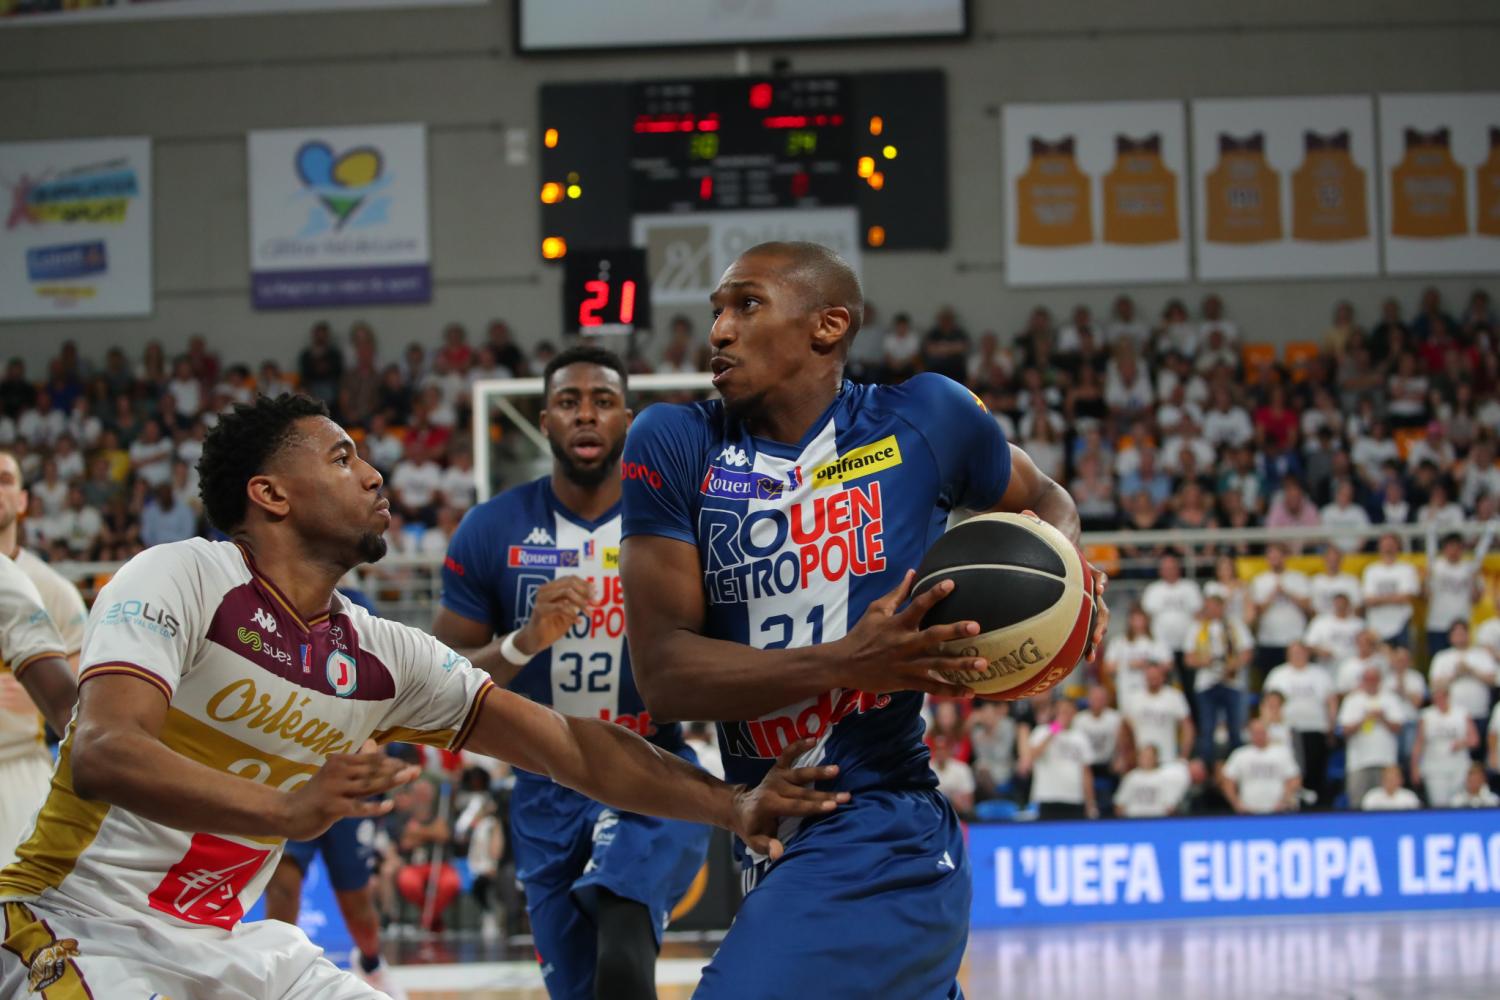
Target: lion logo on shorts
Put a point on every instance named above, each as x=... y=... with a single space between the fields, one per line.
x=50 y=964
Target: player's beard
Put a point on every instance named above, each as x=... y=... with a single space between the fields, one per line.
x=371 y=547
x=588 y=477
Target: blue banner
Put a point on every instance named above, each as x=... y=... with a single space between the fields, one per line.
x=1119 y=870
x=319 y=915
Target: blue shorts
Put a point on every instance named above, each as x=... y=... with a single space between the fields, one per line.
x=871 y=902
x=348 y=849
x=568 y=848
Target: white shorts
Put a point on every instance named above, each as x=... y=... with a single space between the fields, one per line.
x=23 y=787
x=73 y=956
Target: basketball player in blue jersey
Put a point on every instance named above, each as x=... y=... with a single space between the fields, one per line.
x=769 y=546
x=538 y=565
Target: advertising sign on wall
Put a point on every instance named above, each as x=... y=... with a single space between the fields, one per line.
x=1095 y=193
x=77 y=234
x=1284 y=187
x=1122 y=870
x=338 y=216
x=1441 y=157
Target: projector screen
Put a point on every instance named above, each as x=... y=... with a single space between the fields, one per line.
x=572 y=25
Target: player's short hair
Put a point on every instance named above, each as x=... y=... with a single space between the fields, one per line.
x=584 y=354
x=240 y=446
x=826 y=278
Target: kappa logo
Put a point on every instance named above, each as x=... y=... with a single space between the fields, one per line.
x=861 y=462
x=734 y=456
x=264 y=620
x=50 y=964
x=538 y=536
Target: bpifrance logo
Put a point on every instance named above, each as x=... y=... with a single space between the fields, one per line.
x=861 y=462
x=95 y=193
x=349 y=187
x=539 y=557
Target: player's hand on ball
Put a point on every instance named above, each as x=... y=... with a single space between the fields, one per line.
x=1101 y=615
x=341 y=788
x=555 y=610
x=889 y=650
x=785 y=791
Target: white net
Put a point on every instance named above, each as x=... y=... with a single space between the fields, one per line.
x=509 y=448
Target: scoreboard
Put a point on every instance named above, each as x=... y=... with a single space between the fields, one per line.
x=606 y=292
x=874 y=142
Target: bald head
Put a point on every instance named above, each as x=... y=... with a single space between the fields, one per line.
x=825 y=278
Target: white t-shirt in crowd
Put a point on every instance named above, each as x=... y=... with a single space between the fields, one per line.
x=1224 y=640
x=1352 y=669
x=458 y=487
x=1336 y=635
x=1382 y=580
x=1323 y=588
x=1261 y=774
x=954 y=778
x=902 y=348
x=1122 y=654
x=1154 y=719
x=1173 y=608
x=1306 y=690
x=1368 y=742
x=1410 y=688
x=417 y=483
x=1450 y=592
x=1379 y=800
x=1441 y=731
x=1353 y=516
x=1057 y=773
x=1102 y=732
x=1487 y=635
x=1228 y=427
x=1470 y=694
x=1483 y=799
x=1157 y=792
x=154 y=473
x=1281 y=622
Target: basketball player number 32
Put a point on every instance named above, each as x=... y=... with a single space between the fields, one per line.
x=598 y=677
x=784 y=623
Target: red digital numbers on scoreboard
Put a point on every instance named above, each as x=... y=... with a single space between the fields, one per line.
x=606 y=292
x=591 y=311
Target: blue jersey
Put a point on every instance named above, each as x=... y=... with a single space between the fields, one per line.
x=795 y=541
x=507 y=548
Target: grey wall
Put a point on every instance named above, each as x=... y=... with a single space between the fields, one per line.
x=196 y=86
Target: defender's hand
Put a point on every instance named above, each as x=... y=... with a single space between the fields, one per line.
x=557 y=607
x=341 y=788
x=889 y=650
x=785 y=791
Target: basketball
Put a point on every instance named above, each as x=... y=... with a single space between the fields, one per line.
x=1030 y=590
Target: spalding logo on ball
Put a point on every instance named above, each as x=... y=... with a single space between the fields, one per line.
x=1030 y=590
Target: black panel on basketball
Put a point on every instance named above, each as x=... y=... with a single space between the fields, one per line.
x=983 y=540
x=994 y=596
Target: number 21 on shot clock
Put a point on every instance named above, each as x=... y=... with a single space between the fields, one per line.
x=606 y=291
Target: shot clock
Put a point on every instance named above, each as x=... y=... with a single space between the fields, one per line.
x=605 y=292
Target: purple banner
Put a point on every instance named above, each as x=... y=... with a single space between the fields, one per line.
x=351 y=286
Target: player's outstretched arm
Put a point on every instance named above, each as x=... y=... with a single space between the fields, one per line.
x=555 y=609
x=612 y=765
x=684 y=674
x=49 y=680
x=117 y=756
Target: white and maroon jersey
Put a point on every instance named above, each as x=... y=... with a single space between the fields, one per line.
x=26 y=636
x=253 y=691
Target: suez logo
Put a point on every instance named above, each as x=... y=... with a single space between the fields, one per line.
x=763 y=553
x=253 y=639
x=142 y=613
x=861 y=462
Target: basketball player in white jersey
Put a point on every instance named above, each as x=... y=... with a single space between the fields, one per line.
x=228 y=697
x=25 y=764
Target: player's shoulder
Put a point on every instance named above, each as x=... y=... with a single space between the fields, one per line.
x=500 y=510
x=921 y=396
x=189 y=563
x=389 y=641
x=683 y=424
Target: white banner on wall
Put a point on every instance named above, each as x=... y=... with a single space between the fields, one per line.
x=686 y=254
x=1094 y=193
x=1440 y=154
x=1284 y=187
x=338 y=216
x=77 y=233
x=50 y=12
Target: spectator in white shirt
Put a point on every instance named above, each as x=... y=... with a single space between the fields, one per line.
x=51 y=489
x=902 y=348
x=1475 y=794
x=992 y=736
x=382 y=448
x=1333 y=580
x=1440 y=511
x=1173 y=603
x=1492 y=740
x=151 y=455
x=1311 y=706
x=1100 y=725
x=1432 y=447
x=458 y=485
x=1453 y=583
x=1127 y=384
x=1370 y=719
x=1271 y=711
x=70 y=461
x=1480 y=477
x=1440 y=756
x=1127 y=657
x=1410 y=688
x=1280 y=601
x=184 y=386
x=1390 y=590
x=1368 y=652
x=1372 y=450
x=1151 y=790
x=1226 y=424
x=1218 y=650
x=1159 y=716
x=1187 y=439
x=416 y=483
x=955 y=780
x=1342 y=514
x=1333 y=637
x=1261 y=778
x=1469 y=672
x=1125 y=326
x=1391 y=795
x=1214 y=321
x=1057 y=757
